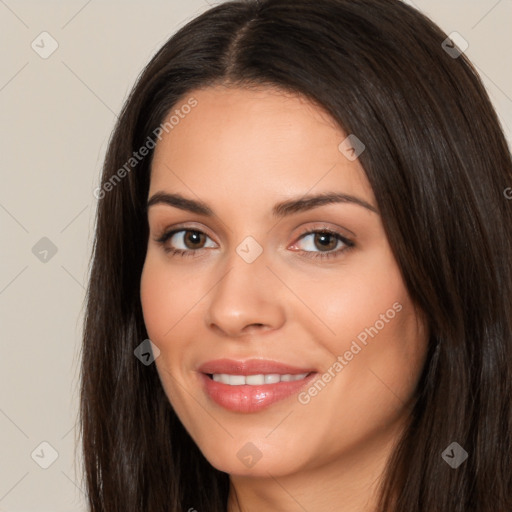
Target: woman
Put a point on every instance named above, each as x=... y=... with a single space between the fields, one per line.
x=302 y=207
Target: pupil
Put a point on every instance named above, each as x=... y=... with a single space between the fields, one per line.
x=192 y=235
x=323 y=237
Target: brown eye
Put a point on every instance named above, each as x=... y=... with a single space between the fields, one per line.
x=193 y=238
x=189 y=241
x=323 y=244
x=325 y=241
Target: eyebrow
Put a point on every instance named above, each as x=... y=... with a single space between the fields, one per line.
x=283 y=209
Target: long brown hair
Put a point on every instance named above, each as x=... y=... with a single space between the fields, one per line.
x=438 y=163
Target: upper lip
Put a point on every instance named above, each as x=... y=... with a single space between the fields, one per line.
x=250 y=367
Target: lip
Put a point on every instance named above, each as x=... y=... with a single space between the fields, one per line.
x=251 y=367
x=246 y=398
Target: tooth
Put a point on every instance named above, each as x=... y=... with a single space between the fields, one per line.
x=236 y=380
x=255 y=379
x=224 y=378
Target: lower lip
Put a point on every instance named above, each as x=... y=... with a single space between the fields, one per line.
x=247 y=398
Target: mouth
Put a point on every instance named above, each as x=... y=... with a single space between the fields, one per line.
x=255 y=380
x=252 y=385
x=250 y=367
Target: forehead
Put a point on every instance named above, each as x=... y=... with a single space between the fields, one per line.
x=262 y=140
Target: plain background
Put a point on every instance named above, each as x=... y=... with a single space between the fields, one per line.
x=56 y=118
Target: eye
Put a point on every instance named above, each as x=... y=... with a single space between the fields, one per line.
x=327 y=240
x=189 y=239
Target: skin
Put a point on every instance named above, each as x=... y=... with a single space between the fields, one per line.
x=241 y=151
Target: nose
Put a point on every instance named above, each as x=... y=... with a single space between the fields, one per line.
x=247 y=299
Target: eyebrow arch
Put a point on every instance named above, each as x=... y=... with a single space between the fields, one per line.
x=279 y=210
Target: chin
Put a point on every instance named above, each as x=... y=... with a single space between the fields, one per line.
x=249 y=460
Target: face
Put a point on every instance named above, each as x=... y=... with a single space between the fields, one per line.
x=287 y=337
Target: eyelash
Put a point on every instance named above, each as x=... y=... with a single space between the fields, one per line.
x=322 y=255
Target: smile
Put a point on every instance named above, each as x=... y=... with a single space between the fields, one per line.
x=252 y=393
x=256 y=380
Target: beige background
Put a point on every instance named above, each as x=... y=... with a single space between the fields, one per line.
x=56 y=117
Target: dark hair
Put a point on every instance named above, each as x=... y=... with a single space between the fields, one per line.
x=438 y=163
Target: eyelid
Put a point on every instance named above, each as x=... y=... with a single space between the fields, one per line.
x=346 y=241
x=167 y=233
x=326 y=226
x=160 y=233
x=195 y=226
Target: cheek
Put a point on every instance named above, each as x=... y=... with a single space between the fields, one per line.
x=160 y=302
x=164 y=312
x=354 y=298
x=170 y=300
x=153 y=300
x=374 y=328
